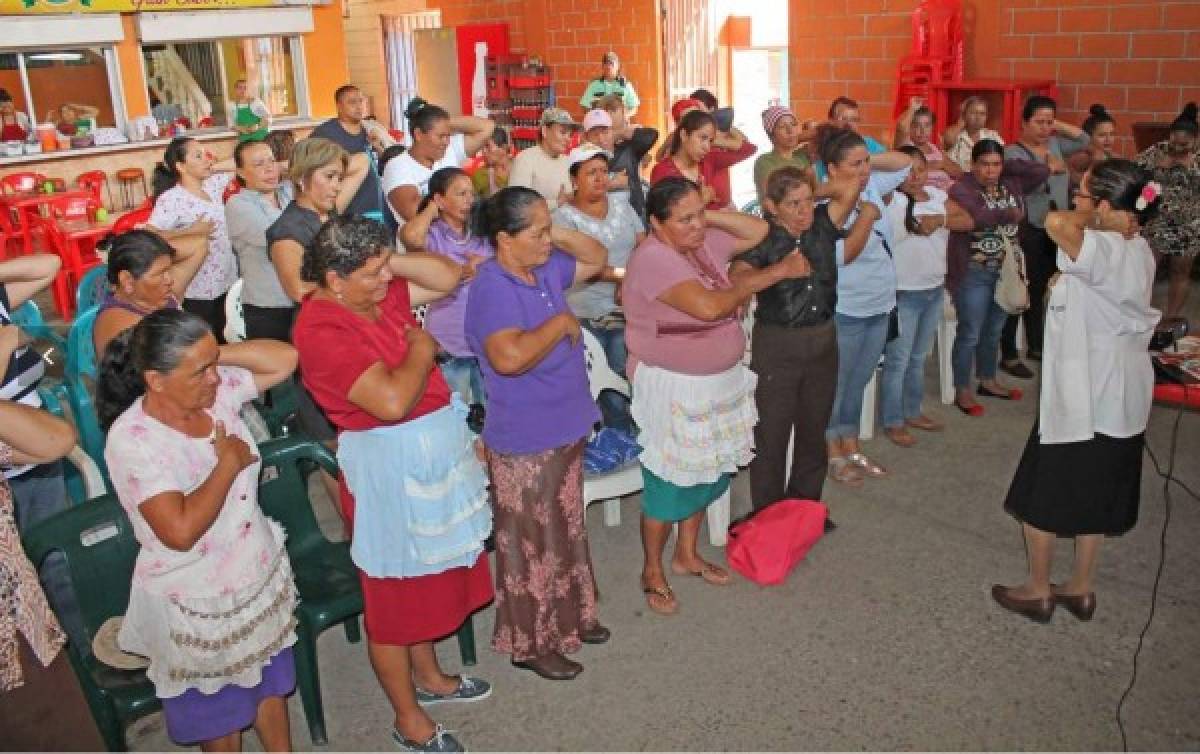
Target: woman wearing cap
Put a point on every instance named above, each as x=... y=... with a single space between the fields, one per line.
x=609 y=219
x=544 y=166
x=691 y=152
x=631 y=144
x=212 y=596
x=784 y=132
x=438 y=141
x=610 y=82
x=1080 y=474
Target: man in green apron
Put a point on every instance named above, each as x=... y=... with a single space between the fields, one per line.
x=249 y=115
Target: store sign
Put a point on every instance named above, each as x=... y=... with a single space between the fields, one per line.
x=38 y=7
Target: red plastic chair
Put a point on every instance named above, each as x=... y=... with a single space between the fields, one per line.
x=20 y=183
x=130 y=220
x=78 y=252
x=937 y=53
x=94 y=181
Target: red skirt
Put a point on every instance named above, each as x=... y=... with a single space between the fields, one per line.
x=403 y=612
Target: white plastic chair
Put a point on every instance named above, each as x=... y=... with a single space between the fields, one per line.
x=614 y=485
x=235 y=320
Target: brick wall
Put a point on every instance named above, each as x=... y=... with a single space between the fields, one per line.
x=1140 y=58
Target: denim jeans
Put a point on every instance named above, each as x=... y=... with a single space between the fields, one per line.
x=464 y=377
x=860 y=344
x=903 y=383
x=614 y=407
x=980 y=322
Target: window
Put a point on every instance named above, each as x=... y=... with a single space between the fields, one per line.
x=196 y=80
x=63 y=85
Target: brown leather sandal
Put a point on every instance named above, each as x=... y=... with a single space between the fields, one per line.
x=666 y=603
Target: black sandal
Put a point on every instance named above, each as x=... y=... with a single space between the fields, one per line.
x=1013 y=394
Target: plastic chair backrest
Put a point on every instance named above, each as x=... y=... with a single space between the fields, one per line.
x=600 y=374
x=93 y=181
x=29 y=318
x=92 y=287
x=18 y=183
x=937 y=29
x=72 y=206
x=79 y=374
x=235 y=320
x=100 y=549
x=130 y=220
x=283 y=489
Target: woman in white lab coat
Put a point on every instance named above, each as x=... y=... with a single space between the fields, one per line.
x=1080 y=474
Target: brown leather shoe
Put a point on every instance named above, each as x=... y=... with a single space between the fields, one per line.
x=1082 y=606
x=552 y=667
x=1037 y=610
x=597 y=634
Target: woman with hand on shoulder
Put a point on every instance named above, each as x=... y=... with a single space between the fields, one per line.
x=212 y=596
x=1080 y=475
x=413 y=492
x=692 y=397
x=794 y=343
x=1175 y=232
x=442 y=226
x=983 y=212
x=917 y=214
x=145 y=274
x=1047 y=140
x=438 y=141
x=916 y=127
x=960 y=138
x=691 y=152
x=540 y=413
x=1102 y=129
x=189 y=186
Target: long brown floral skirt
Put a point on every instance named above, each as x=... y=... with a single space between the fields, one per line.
x=545 y=589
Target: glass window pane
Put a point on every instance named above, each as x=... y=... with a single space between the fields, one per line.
x=69 y=87
x=266 y=64
x=184 y=81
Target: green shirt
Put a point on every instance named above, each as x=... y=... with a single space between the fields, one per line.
x=598 y=88
x=770 y=162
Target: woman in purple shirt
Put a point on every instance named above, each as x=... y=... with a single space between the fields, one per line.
x=540 y=412
x=442 y=225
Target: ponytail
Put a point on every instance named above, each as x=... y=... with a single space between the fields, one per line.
x=166 y=173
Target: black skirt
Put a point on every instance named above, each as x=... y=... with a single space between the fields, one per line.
x=1070 y=489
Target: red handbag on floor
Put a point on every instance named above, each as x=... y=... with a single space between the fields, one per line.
x=766 y=546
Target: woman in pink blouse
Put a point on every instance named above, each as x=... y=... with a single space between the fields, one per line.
x=188 y=188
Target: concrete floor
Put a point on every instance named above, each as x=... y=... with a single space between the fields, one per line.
x=884 y=638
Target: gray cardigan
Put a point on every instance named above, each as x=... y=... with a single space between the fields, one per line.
x=1057 y=186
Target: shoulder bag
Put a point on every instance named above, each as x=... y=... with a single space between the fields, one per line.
x=1012 y=289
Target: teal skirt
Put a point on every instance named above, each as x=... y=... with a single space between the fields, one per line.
x=664 y=501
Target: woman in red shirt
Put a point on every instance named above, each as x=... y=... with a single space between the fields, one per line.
x=695 y=152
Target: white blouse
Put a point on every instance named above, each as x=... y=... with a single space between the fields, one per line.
x=920 y=260
x=1097 y=376
x=178 y=208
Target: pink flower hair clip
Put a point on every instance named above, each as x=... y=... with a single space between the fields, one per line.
x=1151 y=191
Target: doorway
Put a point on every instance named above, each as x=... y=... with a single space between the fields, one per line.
x=399 y=46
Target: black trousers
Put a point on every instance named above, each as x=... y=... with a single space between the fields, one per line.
x=797 y=371
x=1040 y=253
x=211 y=311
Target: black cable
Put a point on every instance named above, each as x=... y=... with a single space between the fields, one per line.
x=1162 y=557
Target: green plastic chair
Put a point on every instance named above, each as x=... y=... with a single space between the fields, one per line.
x=92 y=287
x=326 y=578
x=100 y=549
x=78 y=376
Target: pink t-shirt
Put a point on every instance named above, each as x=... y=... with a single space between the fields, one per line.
x=660 y=335
x=147 y=458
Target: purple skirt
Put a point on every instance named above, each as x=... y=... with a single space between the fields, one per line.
x=194 y=717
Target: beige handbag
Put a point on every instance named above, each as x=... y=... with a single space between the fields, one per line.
x=1012 y=289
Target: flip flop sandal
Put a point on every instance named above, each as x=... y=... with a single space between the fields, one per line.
x=668 y=605
x=869 y=467
x=709 y=572
x=843 y=472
